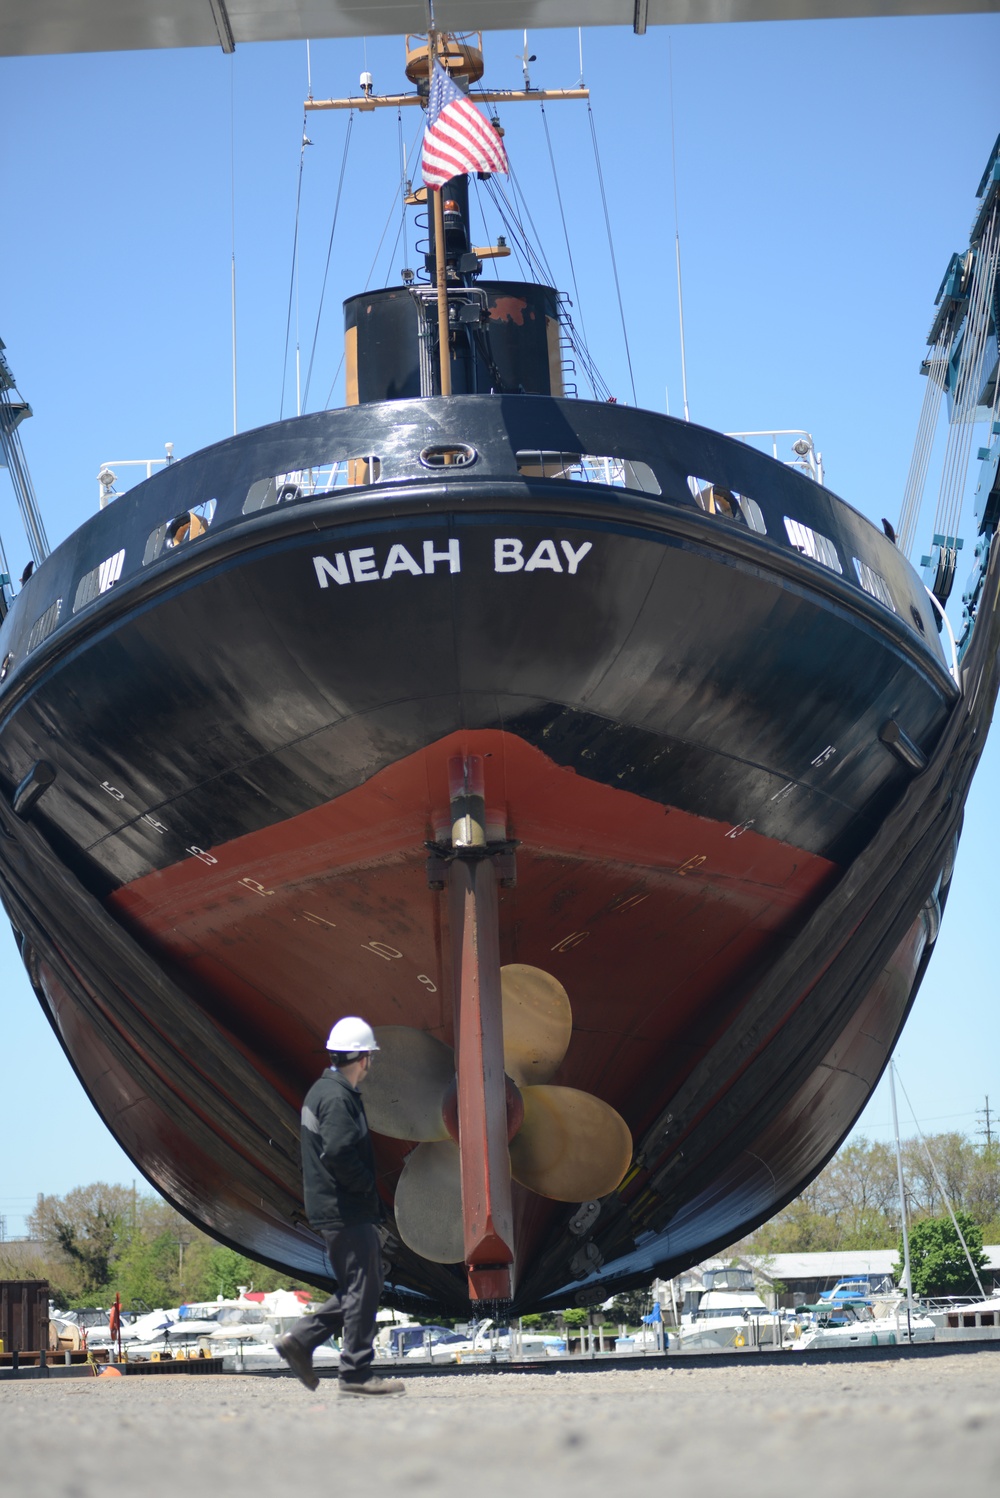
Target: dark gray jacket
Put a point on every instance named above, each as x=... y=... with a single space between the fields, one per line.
x=338 y=1162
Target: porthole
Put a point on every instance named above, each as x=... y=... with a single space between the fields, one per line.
x=917 y=618
x=449 y=455
x=8 y=661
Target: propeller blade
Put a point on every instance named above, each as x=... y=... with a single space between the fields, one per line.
x=537 y=1023
x=572 y=1147
x=428 y=1203
x=406 y=1086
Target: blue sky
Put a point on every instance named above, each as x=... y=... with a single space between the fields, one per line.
x=825 y=173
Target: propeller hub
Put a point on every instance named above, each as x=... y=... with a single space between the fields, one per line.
x=515 y=1109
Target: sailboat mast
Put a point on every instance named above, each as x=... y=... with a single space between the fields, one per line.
x=902 y=1204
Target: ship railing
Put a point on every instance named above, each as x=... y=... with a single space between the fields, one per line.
x=806 y=459
x=107 y=477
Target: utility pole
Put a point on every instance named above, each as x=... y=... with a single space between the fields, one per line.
x=987 y=1130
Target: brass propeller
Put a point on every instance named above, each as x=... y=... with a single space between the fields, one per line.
x=429 y=1202
x=405 y=1088
x=571 y=1146
x=537 y=1023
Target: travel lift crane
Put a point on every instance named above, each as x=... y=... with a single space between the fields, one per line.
x=963 y=363
x=13 y=411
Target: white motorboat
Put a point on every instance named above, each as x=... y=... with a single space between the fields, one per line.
x=857 y=1326
x=727 y=1314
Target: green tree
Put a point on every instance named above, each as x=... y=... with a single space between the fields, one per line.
x=630 y=1306
x=938 y=1265
x=146 y=1271
x=87 y=1226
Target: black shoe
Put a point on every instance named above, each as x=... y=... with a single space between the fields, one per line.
x=373 y=1385
x=297 y=1359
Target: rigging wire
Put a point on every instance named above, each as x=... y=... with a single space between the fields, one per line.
x=611 y=248
x=562 y=215
x=487 y=236
x=402 y=185
x=512 y=229
x=677 y=229
x=542 y=272
x=371 y=272
x=329 y=253
x=533 y=252
x=519 y=196
x=292 y=275
x=232 y=220
x=940 y=1184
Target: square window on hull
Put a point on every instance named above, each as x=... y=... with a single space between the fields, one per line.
x=307 y=483
x=187 y=526
x=44 y=625
x=717 y=499
x=588 y=468
x=874 y=583
x=811 y=544
x=98 y=580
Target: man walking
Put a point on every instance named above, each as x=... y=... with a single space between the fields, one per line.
x=342 y=1203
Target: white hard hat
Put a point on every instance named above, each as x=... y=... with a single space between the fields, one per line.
x=351 y=1034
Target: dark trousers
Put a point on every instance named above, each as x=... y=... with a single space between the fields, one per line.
x=356 y=1256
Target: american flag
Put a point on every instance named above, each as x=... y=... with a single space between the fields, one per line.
x=457 y=138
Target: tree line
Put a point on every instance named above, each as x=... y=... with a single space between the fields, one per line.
x=99 y=1240
x=854 y=1202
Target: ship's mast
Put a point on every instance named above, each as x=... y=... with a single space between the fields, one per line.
x=452 y=312
x=440 y=265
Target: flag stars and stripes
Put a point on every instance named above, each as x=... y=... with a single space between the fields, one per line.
x=457 y=138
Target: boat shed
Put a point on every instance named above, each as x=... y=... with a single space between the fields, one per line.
x=796 y=1279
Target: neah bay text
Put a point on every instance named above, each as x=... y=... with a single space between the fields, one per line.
x=366 y=564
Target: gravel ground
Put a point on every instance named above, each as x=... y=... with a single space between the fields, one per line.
x=911 y=1426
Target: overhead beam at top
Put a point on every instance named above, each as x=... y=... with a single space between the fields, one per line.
x=34 y=27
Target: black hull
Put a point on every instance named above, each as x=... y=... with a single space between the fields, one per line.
x=688 y=713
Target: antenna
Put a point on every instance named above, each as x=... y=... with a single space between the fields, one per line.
x=677 y=229
x=525 y=61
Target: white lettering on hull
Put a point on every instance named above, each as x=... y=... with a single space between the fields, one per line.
x=361 y=565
